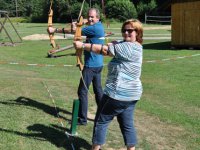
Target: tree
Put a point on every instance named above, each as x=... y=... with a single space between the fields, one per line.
x=3 y=5
x=144 y=6
x=8 y=5
x=65 y=10
x=120 y=9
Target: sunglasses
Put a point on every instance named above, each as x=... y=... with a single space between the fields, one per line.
x=128 y=30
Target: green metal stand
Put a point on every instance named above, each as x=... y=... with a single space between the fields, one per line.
x=74 y=117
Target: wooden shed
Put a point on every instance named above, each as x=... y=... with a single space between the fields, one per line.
x=185 y=23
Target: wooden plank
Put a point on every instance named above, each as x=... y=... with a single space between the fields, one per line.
x=177 y=28
x=185 y=22
x=191 y=27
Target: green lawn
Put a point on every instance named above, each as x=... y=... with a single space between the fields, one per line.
x=166 y=118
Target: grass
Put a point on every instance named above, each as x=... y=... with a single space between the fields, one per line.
x=167 y=117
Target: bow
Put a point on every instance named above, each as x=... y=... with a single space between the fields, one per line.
x=77 y=37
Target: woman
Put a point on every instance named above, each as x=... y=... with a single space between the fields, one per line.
x=123 y=86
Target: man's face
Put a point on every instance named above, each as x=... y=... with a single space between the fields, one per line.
x=92 y=17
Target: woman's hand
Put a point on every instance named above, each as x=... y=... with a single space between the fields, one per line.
x=112 y=43
x=78 y=45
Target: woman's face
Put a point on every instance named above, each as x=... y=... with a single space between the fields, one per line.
x=129 y=33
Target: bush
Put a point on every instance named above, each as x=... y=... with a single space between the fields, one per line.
x=75 y=9
x=145 y=7
x=19 y=19
x=121 y=9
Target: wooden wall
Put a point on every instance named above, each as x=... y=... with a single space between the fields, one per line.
x=185 y=23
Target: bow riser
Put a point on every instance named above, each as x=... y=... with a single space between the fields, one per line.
x=77 y=37
x=50 y=24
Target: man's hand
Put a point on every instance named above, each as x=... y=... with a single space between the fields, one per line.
x=52 y=51
x=85 y=21
x=73 y=26
x=51 y=30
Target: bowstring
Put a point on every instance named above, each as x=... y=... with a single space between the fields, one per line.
x=57 y=113
x=81 y=74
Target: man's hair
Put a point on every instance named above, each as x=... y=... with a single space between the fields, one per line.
x=97 y=12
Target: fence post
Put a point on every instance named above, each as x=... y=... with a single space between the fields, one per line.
x=145 y=18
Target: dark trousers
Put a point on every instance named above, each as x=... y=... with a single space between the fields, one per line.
x=89 y=75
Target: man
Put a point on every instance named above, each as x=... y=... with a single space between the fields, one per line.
x=93 y=63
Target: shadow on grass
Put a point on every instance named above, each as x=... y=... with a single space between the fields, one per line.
x=35 y=26
x=38 y=105
x=59 y=55
x=54 y=134
x=158 y=46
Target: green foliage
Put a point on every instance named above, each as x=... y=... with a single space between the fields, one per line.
x=76 y=9
x=3 y=5
x=38 y=13
x=145 y=6
x=19 y=20
x=65 y=10
x=7 y=5
x=62 y=11
x=121 y=9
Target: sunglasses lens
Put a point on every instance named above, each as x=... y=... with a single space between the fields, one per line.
x=128 y=30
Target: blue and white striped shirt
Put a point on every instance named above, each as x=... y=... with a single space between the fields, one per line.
x=124 y=71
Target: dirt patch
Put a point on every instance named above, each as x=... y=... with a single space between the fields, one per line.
x=7 y=44
x=67 y=36
x=157 y=134
x=158 y=28
x=45 y=37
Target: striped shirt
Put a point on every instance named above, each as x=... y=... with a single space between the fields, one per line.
x=124 y=71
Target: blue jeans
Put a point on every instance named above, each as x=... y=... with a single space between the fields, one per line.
x=107 y=110
x=89 y=75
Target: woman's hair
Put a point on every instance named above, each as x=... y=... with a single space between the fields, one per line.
x=137 y=25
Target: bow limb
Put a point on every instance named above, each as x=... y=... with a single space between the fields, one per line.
x=50 y=24
x=77 y=37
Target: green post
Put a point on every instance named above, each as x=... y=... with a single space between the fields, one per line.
x=74 y=117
